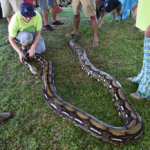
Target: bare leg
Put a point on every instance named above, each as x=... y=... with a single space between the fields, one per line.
x=53 y=12
x=9 y=18
x=76 y=25
x=24 y=46
x=45 y=17
x=95 y=27
x=135 y=96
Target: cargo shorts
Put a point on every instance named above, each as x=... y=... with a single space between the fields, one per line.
x=89 y=7
x=8 y=6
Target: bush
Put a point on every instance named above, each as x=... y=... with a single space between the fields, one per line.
x=65 y=3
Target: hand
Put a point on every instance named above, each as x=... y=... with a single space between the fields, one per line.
x=31 y=53
x=70 y=1
x=147 y=32
x=21 y=56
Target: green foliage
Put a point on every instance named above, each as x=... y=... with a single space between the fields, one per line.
x=64 y=3
x=34 y=125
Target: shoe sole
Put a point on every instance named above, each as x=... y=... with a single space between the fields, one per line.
x=48 y=30
x=58 y=25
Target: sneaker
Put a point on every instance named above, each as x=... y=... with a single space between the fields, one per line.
x=48 y=28
x=57 y=23
x=5 y=116
x=24 y=51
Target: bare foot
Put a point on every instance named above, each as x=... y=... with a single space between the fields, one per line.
x=130 y=78
x=95 y=43
x=134 y=26
x=141 y=31
x=135 y=96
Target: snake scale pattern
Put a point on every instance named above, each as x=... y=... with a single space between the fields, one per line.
x=133 y=126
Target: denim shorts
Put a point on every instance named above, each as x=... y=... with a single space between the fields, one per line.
x=25 y=36
x=44 y=4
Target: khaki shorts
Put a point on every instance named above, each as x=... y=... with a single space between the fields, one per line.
x=89 y=7
x=8 y=6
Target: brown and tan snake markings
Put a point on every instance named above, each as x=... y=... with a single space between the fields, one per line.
x=133 y=126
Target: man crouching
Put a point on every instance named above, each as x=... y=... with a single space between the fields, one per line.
x=25 y=28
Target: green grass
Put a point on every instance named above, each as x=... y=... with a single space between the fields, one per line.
x=34 y=125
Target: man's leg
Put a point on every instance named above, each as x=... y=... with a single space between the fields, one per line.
x=53 y=12
x=76 y=25
x=9 y=18
x=6 y=9
x=44 y=6
x=25 y=38
x=45 y=17
x=53 y=5
x=95 y=29
x=24 y=46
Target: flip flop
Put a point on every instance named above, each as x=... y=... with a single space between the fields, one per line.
x=70 y=34
x=95 y=43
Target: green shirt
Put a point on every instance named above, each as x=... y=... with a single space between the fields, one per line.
x=18 y=24
x=143 y=14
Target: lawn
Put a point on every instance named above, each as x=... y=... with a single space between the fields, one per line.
x=34 y=126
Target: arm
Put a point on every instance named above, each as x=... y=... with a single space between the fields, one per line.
x=147 y=32
x=36 y=39
x=16 y=48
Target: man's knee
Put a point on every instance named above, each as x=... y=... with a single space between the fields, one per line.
x=24 y=37
x=28 y=43
x=40 y=49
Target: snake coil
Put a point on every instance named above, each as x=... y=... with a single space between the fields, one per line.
x=127 y=134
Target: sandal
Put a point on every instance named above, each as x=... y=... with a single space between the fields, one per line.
x=95 y=43
x=70 y=34
x=88 y=22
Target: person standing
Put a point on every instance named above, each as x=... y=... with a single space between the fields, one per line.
x=44 y=4
x=89 y=7
x=143 y=78
x=9 y=7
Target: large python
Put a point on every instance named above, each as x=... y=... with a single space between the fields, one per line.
x=127 y=134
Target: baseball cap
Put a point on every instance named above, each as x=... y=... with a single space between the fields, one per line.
x=27 y=10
